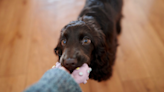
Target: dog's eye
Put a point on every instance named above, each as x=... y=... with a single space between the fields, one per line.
x=63 y=42
x=86 y=41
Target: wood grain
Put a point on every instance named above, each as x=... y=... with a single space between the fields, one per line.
x=29 y=31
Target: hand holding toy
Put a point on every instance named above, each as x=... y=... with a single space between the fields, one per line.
x=80 y=74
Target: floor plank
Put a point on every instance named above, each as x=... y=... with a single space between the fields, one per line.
x=141 y=85
x=13 y=83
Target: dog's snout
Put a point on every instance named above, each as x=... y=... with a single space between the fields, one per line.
x=70 y=63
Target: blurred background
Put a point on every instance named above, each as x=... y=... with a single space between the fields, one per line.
x=29 y=31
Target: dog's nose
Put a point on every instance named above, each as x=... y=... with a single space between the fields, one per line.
x=70 y=63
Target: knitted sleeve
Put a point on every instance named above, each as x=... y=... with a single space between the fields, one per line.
x=55 y=80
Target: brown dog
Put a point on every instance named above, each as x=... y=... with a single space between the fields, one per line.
x=92 y=39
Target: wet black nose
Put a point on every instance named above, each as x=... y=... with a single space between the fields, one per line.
x=70 y=63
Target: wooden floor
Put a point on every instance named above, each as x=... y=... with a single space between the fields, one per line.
x=29 y=30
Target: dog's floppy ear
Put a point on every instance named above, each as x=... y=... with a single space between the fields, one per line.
x=101 y=59
x=101 y=63
x=58 y=50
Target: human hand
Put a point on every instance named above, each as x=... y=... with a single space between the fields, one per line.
x=58 y=65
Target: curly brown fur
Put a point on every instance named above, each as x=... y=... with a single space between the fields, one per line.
x=99 y=21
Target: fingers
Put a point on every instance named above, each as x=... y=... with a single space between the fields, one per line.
x=58 y=65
